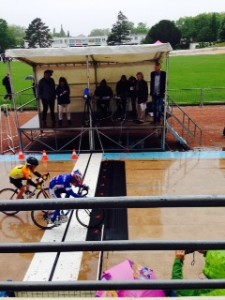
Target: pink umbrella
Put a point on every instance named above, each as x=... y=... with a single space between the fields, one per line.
x=129 y=270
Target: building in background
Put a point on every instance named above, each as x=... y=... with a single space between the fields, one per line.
x=85 y=41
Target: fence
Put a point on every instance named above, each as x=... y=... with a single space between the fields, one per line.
x=198 y=96
x=107 y=203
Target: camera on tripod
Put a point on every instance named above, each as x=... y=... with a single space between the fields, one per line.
x=87 y=94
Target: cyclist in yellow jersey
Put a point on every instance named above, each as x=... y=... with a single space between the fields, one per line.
x=24 y=172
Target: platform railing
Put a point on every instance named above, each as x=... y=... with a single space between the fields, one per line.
x=186 y=128
x=123 y=245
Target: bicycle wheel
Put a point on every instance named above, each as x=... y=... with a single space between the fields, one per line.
x=44 y=194
x=8 y=194
x=41 y=218
x=90 y=218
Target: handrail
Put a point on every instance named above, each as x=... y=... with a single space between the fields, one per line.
x=189 y=128
x=88 y=285
x=114 y=202
x=118 y=245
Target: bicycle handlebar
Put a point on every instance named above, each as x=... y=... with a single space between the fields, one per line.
x=40 y=181
x=83 y=191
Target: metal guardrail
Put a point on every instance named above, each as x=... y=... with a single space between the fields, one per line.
x=198 y=96
x=107 y=203
x=186 y=128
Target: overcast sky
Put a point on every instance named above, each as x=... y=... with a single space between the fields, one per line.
x=81 y=16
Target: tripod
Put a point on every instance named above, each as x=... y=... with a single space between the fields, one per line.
x=88 y=115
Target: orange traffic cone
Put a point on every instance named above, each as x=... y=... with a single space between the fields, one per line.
x=21 y=155
x=44 y=156
x=74 y=155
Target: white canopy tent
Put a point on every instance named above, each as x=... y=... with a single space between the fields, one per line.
x=91 y=64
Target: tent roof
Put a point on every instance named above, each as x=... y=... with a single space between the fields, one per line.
x=98 y=54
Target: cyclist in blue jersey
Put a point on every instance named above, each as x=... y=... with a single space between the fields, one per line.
x=63 y=185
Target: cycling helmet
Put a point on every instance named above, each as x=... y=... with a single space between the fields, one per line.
x=32 y=161
x=77 y=175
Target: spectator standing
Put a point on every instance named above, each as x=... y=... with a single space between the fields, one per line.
x=141 y=97
x=7 y=84
x=132 y=95
x=63 y=95
x=122 y=90
x=47 y=94
x=157 y=91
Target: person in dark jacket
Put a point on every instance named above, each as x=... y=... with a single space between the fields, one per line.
x=122 y=90
x=132 y=95
x=47 y=94
x=63 y=96
x=103 y=93
x=6 y=83
x=157 y=91
x=141 y=97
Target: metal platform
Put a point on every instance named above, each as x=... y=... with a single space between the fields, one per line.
x=100 y=135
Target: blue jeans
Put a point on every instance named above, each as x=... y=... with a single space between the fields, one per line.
x=158 y=107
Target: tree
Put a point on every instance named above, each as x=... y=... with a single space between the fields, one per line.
x=18 y=33
x=140 y=29
x=7 y=39
x=165 y=31
x=222 y=30
x=38 y=34
x=62 y=32
x=202 y=28
x=120 y=31
x=99 y=32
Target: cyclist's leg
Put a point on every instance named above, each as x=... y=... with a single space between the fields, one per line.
x=55 y=216
x=19 y=185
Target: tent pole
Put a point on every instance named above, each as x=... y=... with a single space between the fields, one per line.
x=14 y=100
x=91 y=138
x=165 y=105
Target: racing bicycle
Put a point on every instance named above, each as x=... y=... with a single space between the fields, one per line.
x=42 y=218
x=38 y=192
x=89 y=218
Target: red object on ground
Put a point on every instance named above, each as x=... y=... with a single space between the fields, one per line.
x=21 y=155
x=74 y=155
x=44 y=156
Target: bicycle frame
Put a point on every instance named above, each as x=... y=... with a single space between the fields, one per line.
x=11 y=194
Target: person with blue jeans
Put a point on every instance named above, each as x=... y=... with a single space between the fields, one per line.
x=157 y=91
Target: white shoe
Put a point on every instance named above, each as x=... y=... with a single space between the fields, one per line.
x=63 y=218
x=57 y=222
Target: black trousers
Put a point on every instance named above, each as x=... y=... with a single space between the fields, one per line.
x=48 y=103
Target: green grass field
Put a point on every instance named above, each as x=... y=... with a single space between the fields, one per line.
x=20 y=71
x=198 y=73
